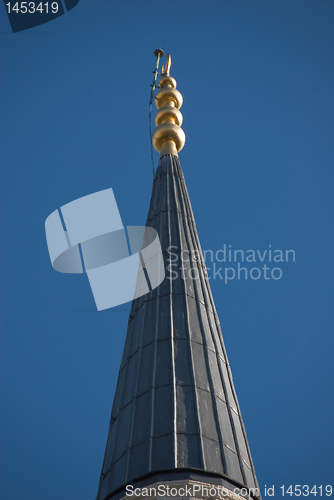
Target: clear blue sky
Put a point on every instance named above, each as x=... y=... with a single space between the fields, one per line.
x=257 y=82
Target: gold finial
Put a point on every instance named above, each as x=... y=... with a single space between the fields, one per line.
x=168 y=137
x=165 y=71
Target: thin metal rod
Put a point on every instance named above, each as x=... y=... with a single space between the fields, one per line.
x=158 y=53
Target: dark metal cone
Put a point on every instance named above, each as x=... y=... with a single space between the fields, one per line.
x=175 y=407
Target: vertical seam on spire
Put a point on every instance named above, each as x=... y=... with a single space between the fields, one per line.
x=203 y=284
x=120 y=377
x=139 y=350
x=172 y=325
x=222 y=379
x=213 y=394
x=180 y=214
x=114 y=421
x=155 y=347
x=153 y=387
x=189 y=236
x=225 y=392
x=228 y=370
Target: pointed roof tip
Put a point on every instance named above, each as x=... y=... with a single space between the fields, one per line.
x=168 y=137
x=175 y=414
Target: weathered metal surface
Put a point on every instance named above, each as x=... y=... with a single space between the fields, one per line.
x=175 y=405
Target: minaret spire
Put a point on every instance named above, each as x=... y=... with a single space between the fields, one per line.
x=168 y=137
x=175 y=419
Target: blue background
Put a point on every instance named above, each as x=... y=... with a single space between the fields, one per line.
x=257 y=82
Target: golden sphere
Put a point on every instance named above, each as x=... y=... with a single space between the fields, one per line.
x=168 y=94
x=168 y=114
x=168 y=132
x=167 y=80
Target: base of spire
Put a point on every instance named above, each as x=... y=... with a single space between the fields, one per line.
x=181 y=484
x=168 y=148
